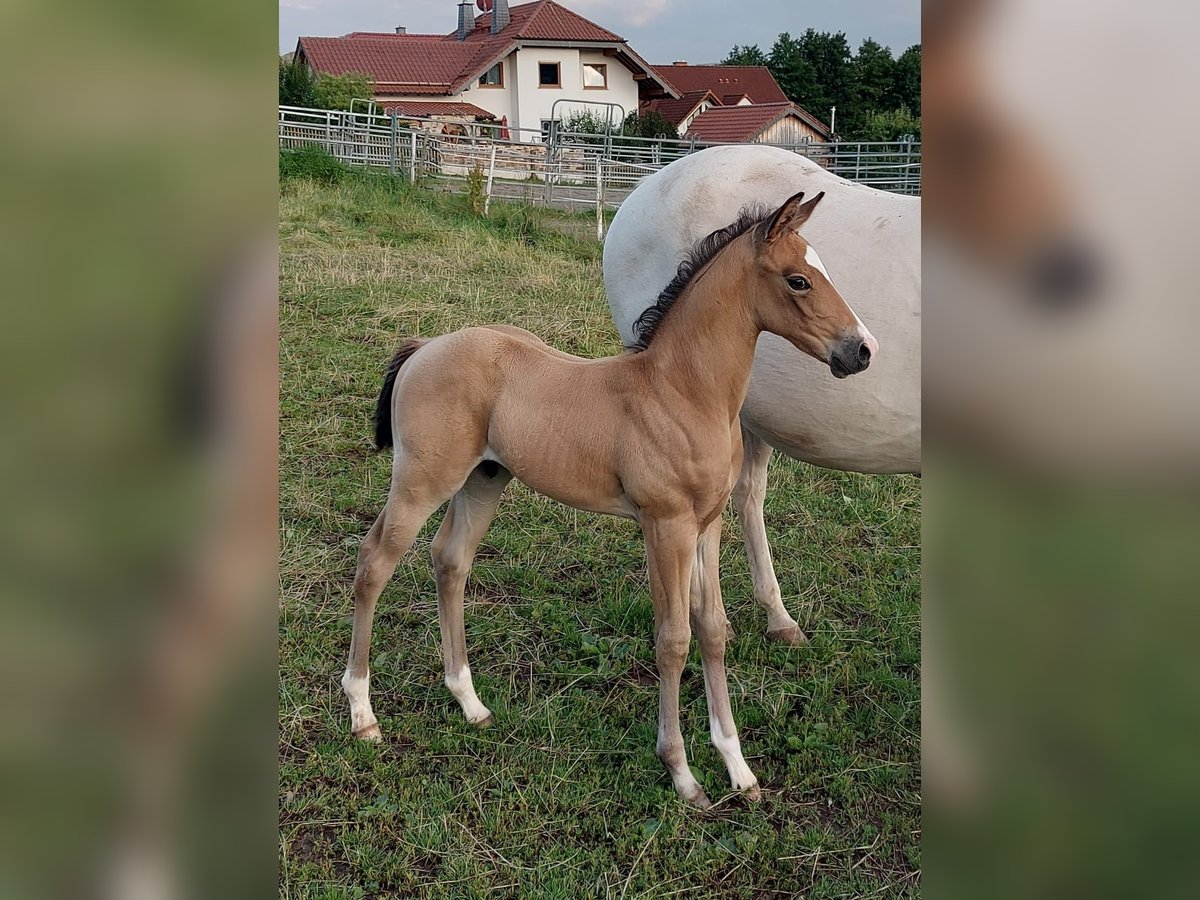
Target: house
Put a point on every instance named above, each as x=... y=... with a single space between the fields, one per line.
x=735 y=104
x=522 y=65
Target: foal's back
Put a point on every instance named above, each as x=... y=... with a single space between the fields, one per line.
x=500 y=393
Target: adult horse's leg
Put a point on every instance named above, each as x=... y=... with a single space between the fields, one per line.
x=671 y=553
x=467 y=520
x=749 y=494
x=708 y=619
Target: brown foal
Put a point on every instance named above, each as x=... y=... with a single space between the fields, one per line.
x=651 y=435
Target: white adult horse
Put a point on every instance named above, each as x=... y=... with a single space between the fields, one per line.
x=871 y=244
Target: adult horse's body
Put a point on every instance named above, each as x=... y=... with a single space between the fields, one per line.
x=651 y=435
x=870 y=241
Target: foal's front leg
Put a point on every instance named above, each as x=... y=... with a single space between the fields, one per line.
x=708 y=618
x=671 y=553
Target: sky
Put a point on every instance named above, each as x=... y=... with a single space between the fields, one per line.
x=699 y=31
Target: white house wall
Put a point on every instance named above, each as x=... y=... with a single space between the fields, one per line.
x=535 y=102
x=526 y=104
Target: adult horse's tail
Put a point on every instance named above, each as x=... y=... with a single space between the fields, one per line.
x=383 y=408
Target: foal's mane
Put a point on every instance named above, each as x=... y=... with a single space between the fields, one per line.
x=702 y=253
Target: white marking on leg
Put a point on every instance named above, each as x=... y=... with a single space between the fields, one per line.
x=675 y=759
x=730 y=749
x=725 y=739
x=463 y=689
x=358 y=692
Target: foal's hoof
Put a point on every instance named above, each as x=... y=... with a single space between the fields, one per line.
x=753 y=793
x=370 y=733
x=792 y=636
x=699 y=799
x=485 y=722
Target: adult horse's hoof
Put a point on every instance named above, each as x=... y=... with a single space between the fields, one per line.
x=370 y=733
x=792 y=636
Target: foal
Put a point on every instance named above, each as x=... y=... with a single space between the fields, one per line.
x=650 y=435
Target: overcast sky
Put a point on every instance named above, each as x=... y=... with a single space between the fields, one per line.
x=660 y=30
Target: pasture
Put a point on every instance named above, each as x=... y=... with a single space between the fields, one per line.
x=563 y=797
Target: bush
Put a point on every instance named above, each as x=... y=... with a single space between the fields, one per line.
x=312 y=162
x=649 y=124
x=337 y=91
x=891 y=125
x=296 y=84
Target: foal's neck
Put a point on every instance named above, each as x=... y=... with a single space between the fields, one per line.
x=705 y=343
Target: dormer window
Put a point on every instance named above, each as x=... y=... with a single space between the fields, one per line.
x=493 y=77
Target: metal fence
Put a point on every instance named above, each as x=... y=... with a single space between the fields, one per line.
x=564 y=169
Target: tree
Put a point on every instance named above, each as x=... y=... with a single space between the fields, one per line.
x=815 y=70
x=908 y=79
x=749 y=55
x=878 y=96
x=874 y=77
x=890 y=125
x=336 y=91
x=296 y=83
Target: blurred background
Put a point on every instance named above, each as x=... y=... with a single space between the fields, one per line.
x=138 y=512
x=137 y=449
x=1062 y=449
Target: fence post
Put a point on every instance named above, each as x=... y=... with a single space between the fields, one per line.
x=413 y=160
x=392 y=148
x=487 y=197
x=599 y=199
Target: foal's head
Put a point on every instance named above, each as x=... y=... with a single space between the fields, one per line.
x=796 y=299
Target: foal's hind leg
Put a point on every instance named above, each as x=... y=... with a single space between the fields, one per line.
x=388 y=540
x=749 y=494
x=467 y=519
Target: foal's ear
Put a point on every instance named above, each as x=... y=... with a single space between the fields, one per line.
x=790 y=216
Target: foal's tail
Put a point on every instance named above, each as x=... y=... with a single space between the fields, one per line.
x=383 y=408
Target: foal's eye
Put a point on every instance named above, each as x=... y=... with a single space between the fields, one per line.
x=798 y=283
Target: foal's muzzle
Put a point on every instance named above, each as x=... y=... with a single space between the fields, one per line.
x=851 y=356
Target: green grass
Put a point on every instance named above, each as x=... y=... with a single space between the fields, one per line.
x=564 y=797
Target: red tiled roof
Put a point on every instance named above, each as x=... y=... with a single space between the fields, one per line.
x=441 y=64
x=544 y=20
x=738 y=124
x=399 y=63
x=755 y=81
x=675 y=111
x=429 y=108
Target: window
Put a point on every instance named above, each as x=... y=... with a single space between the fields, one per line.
x=548 y=126
x=493 y=77
x=595 y=76
x=548 y=75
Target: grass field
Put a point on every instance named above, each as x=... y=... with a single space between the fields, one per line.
x=564 y=796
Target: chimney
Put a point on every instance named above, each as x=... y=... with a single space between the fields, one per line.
x=500 y=18
x=679 y=62
x=466 y=21
x=400 y=29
